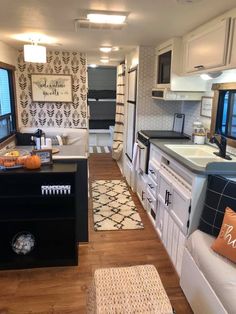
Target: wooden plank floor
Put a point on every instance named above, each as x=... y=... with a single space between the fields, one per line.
x=63 y=289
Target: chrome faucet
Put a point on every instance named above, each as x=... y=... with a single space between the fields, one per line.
x=222 y=146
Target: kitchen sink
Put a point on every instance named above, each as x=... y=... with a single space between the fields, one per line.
x=203 y=161
x=199 y=155
x=193 y=150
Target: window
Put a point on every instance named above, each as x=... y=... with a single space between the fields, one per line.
x=7 y=107
x=226 y=114
x=223 y=118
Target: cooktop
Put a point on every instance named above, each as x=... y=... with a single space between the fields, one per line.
x=164 y=134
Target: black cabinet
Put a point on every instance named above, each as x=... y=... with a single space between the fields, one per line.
x=38 y=217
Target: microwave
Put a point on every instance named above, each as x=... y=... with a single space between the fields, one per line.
x=168 y=71
x=164 y=68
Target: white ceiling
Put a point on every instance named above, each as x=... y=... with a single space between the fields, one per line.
x=149 y=22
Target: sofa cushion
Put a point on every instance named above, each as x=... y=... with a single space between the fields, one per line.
x=221 y=192
x=225 y=244
x=58 y=139
x=218 y=271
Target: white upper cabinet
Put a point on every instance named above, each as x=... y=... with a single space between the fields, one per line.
x=232 y=43
x=168 y=71
x=206 y=48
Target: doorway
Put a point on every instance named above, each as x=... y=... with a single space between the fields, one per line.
x=102 y=107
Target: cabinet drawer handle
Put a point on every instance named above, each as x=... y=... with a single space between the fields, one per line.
x=140 y=147
x=151 y=186
x=199 y=67
x=149 y=200
x=152 y=171
x=168 y=198
x=142 y=196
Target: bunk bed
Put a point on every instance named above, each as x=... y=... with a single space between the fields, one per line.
x=102 y=108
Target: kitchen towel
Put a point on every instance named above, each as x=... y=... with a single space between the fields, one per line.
x=136 y=158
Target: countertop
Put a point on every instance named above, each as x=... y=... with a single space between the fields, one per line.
x=65 y=152
x=222 y=168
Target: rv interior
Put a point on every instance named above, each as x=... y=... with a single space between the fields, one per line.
x=118 y=156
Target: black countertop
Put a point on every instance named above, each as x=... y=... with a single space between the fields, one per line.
x=221 y=168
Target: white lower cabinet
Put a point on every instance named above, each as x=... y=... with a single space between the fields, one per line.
x=180 y=205
x=173 y=198
x=153 y=170
x=152 y=186
x=141 y=188
x=165 y=227
x=176 y=197
x=164 y=186
x=130 y=174
x=174 y=205
x=128 y=171
x=159 y=218
x=175 y=243
x=171 y=236
x=151 y=206
x=180 y=252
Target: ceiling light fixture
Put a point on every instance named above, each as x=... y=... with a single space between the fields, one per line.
x=188 y=1
x=210 y=76
x=35 y=53
x=115 y=48
x=105 y=49
x=108 y=18
x=104 y=60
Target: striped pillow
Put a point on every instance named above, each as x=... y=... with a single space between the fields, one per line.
x=221 y=193
x=59 y=140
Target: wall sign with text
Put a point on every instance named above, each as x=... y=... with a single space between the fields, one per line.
x=45 y=155
x=206 y=106
x=51 y=88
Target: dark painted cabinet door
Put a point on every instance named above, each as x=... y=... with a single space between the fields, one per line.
x=38 y=217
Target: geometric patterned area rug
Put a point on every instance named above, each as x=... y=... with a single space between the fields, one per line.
x=113 y=207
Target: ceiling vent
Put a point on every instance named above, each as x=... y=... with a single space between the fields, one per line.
x=86 y=24
x=188 y=1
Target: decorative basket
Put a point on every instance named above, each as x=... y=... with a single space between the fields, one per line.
x=9 y=161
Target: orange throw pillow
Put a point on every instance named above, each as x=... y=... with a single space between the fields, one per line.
x=225 y=243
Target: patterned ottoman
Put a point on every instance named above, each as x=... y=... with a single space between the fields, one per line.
x=136 y=289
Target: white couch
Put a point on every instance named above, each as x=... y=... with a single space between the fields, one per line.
x=207 y=279
x=74 y=136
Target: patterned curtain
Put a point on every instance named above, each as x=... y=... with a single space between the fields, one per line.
x=117 y=147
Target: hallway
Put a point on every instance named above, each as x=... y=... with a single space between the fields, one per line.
x=134 y=247
x=63 y=289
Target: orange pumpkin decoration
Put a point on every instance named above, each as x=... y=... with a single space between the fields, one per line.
x=33 y=162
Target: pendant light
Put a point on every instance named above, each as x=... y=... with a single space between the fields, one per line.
x=35 y=53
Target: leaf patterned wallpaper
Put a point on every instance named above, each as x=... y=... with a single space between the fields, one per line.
x=50 y=114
